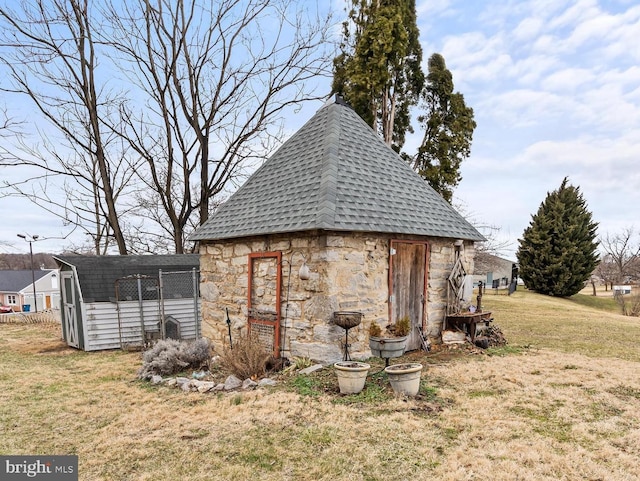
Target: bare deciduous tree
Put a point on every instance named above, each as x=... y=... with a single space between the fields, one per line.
x=621 y=252
x=207 y=85
x=216 y=75
x=50 y=53
x=23 y=261
x=606 y=271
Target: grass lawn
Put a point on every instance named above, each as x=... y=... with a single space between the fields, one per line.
x=561 y=401
x=576 y=325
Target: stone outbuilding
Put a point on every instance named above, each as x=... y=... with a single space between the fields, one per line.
x=333 y=221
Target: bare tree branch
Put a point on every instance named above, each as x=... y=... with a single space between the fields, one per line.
x=52 y=61
x=622 y=251
x=218 y=75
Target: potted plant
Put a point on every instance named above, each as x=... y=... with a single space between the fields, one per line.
x=392 y=342
x=351 y=376
x=405 y=378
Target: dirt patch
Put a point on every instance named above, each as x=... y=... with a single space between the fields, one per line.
x=40 y=338
x=58 y=347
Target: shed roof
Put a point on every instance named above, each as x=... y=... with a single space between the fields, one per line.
x=336 y=174
x=15 y=281
x=97 y=275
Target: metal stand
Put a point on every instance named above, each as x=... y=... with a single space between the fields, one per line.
x=346 y=320
x=346 y=356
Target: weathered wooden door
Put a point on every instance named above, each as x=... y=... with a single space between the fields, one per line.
x=408 y=286
x=70 y=318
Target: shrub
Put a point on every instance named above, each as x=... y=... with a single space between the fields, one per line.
x=402 y=327
x=247 y=359
x=170 y=356
x=629 y=304
x=375 y=330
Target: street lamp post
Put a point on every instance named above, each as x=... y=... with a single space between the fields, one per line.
x=31 y=239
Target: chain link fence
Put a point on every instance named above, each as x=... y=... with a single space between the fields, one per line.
x=151 y=308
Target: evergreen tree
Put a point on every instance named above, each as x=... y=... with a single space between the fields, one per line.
x=448 y=130
x=557 y=252
x=378 y=70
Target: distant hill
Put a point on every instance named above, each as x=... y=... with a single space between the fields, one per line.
x=16 y=262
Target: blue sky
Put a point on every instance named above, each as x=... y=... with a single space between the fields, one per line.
x=555 y=87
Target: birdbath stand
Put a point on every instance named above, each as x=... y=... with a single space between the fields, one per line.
x=347 y=320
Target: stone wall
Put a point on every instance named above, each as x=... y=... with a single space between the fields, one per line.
x=348 y=272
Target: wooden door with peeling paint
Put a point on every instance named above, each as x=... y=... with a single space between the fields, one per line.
x=408 y=286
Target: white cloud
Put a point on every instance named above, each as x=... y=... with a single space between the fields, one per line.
x=568 y=80
x=528 y=71
x=524 y=107
x=528 y=29
x=430 y=8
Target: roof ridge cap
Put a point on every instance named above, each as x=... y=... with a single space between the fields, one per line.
x=329 y=170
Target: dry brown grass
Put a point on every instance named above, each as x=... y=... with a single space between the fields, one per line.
x=541 y=414
x=531 y=319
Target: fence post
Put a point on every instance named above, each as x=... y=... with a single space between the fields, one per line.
x=141 y=309
x=161 y=286
x=196 y=313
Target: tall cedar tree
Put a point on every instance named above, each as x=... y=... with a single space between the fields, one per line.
x=557 y=252
x=378 y=70
x=448 y=130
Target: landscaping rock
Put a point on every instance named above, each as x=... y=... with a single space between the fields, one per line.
x=310 y=369
x=155 y=379
x=232 y=383
x=186 y=386
x=249 y=384
x=204 y=386
x=182 y=380
x=171 y=381
x=219 y=387
x=266 y=382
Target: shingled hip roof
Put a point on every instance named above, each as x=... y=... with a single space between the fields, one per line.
x=335 y=174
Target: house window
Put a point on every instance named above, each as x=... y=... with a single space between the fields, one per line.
x=54 y=281
x=11 y=300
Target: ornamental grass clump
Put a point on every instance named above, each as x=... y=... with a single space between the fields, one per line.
x=400 y=329
x=170 y=356
x=248 y=358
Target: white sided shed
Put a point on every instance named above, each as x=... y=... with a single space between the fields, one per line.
x=110 y=302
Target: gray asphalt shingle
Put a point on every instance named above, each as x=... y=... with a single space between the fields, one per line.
x=336 y=174
x=15 y=281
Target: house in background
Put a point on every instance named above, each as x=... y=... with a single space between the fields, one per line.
x=16 y=289
x=333 y=221
x=495 y=272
